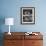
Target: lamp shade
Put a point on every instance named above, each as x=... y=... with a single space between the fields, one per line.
x=9 y=21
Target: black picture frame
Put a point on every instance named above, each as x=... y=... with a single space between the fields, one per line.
x=27 y=15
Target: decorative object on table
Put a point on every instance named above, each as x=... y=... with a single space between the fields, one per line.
x=30 y=33
x=27 y=15
x=9 y=21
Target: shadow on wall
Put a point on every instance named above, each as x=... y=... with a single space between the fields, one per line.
x=2 y=21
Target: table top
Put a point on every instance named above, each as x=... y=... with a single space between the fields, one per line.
x=22 y=35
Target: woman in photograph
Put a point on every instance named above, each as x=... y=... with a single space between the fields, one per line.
x=27 y=13
x=27 y=16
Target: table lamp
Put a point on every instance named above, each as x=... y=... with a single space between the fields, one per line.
x=9 y=21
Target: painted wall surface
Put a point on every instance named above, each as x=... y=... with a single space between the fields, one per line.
x=11 y=8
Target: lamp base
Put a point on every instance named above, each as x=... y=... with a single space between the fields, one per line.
x=9 y=33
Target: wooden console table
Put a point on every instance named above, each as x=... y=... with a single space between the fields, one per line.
x=20 y=39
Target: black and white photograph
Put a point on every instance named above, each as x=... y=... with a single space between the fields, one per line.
x=27 y=15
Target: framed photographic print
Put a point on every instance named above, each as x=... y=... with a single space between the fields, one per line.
x=27 y=15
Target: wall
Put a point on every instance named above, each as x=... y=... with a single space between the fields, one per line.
x=11 y=8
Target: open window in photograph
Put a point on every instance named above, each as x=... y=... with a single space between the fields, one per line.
x=27 y=15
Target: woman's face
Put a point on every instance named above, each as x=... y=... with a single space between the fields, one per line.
x=27 y=13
